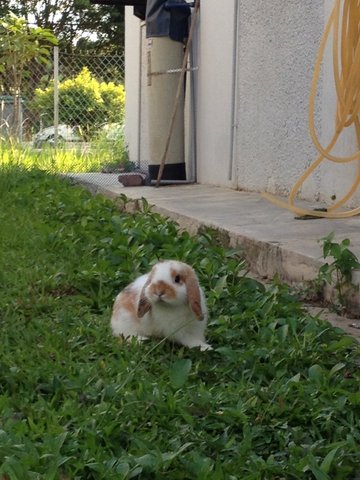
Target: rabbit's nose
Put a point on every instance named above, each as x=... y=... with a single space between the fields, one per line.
x=159 y=290
x=160 y=293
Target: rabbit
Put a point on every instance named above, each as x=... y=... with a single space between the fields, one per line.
x=166 y=302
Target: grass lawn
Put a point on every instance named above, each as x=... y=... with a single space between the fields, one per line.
x=277 y=398
x=77 y=159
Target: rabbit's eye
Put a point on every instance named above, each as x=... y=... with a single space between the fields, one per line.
x=177 y=279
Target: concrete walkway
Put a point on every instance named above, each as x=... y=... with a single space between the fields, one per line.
x=274 y=241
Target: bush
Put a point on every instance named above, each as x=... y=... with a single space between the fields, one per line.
x=85 y=102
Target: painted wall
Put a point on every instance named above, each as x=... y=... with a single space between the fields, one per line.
x=277 y=47
x=252 y=87
x=214 y=92
x=334 y=180
x=132 y=71
x=136 y=124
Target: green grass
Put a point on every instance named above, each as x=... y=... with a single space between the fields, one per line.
x=78 y=158
x=277 y=398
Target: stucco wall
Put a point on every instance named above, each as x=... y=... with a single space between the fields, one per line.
x=334 y=180
x=278 y=44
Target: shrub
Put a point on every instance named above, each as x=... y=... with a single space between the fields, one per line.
x=85 y=102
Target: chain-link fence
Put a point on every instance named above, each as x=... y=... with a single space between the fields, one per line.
x=74 y=102
x=19 y=119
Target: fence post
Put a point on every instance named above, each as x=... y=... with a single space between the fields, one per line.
x=56 y=95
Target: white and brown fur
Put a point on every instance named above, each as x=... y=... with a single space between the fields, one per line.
x=166 y=302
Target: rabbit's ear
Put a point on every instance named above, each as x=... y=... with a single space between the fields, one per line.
x=193 y=293
x=144 y=305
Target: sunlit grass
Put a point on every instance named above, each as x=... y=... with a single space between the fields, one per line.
x=76 y=158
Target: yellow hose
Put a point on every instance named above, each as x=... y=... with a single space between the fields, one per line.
x=346 y=66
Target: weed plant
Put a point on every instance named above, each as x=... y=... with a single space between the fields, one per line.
x=277 y=398
x=77 y=158
x=339 y=272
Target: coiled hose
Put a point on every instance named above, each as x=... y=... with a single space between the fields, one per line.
x=345 y=25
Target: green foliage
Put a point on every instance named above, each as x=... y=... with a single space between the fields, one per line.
x=52 y=160
x=339 y=272
x=111 y=145
x=78 y=24
x=278 y=397
x=19 y=44
x=85 y=102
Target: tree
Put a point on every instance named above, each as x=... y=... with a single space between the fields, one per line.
x=19 y=46
x=86 y=103
x=76 y=23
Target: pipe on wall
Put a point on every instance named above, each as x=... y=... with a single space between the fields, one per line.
x=234 y=98
x=193 y=119
x=140 y=93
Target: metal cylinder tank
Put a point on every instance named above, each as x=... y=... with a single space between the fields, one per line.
x=163 y=56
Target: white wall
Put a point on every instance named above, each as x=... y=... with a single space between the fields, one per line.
x=136 y=124
x=214 y=91
x=278 y=44
x=333 y=180
x=132 y=69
